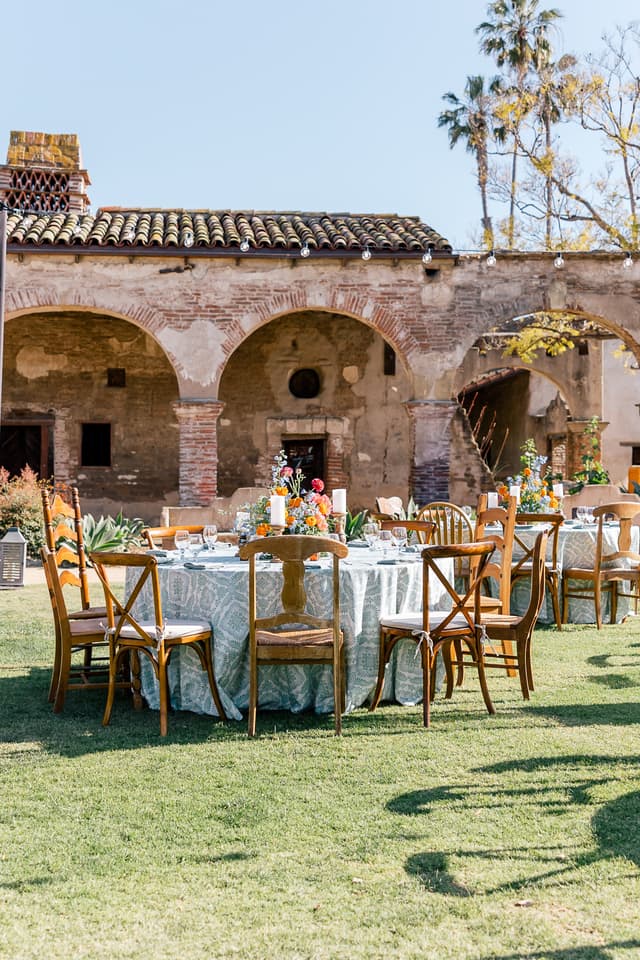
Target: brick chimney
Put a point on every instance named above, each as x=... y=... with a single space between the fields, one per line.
x=44 y=172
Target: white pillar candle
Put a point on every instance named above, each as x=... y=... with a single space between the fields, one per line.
x=492 y=500
x=558 y=491
x=339 y=499
x=277 y=511
x=514 y=491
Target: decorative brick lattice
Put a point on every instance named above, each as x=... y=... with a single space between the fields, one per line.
x=38 y=190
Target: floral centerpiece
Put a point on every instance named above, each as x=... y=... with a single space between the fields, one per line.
x=306 y=512
x=536 y=489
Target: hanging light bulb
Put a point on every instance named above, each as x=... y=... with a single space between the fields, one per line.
x=244 y=245
x=427 y=256
x=559 y=262
x=627 y=263
x=491 y=259
x=366 y=253
x=129 y=235
x=304 y=249
x=188 y=238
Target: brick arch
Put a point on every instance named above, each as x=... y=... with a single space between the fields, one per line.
x=26 y=302
x=492 y=364
x=363 y=309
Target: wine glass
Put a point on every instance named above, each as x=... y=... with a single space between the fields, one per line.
x=210 y=534
x=181 y=540
x=387 y=541
x=370 y=532
x=400 y=535
x=581 y=514
x=196 y=544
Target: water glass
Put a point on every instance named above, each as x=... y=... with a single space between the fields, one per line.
x=196 y=544
x=210 y=534
x=181 y=540
x=400 y=535
x=387 y=541
x=371 y=532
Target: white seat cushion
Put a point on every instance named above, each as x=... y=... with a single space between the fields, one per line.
x=173 y=629
x=413 y=621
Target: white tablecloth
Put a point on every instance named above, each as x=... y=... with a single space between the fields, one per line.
x=219 y=594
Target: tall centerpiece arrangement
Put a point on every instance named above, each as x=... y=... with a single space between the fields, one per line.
x=535 y=488
x=305 y=511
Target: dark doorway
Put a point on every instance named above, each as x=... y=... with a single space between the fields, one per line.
x=308 y=455
x=25 y=445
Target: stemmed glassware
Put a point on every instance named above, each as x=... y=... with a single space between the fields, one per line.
x=371 y=532
x=210 y=534
x=400 y=536
x=181 y=540
x=387 y=541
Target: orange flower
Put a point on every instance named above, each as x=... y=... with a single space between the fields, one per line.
x=295 y=502
x=281 y=491
x=310 y=520
x=290 y=520
x=527 y=472
x=324 y=508
x=262 y=529
x=503 y=490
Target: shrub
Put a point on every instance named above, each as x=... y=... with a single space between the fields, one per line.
x=21 y=506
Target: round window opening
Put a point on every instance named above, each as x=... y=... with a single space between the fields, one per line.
x=304 y=384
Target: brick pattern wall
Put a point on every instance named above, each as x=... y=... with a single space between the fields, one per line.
x=198 y=431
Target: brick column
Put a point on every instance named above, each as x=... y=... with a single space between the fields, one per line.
x=579 y=444
x=198 y=445
x=430 y=445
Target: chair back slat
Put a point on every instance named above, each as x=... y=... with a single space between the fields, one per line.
x=624 y=512
x=58 y=533
x=499 y=569
x=466 y=604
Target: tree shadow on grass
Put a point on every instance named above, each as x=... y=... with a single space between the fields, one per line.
x=614 y=824
x=583 y=952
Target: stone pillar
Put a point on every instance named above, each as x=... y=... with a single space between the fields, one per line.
x=198 y=446
x=579 y=444
x=430 y=445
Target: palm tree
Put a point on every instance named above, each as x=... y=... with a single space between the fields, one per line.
x=469 y=120
x=516 y=35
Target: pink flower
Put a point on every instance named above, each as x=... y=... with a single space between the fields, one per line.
x=286 y=472
x=317 y=485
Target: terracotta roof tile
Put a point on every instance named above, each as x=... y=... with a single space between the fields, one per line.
x=226 y=229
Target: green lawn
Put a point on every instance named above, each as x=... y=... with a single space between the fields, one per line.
x=514 y=836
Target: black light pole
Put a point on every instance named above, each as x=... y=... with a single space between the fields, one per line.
x=3 y=265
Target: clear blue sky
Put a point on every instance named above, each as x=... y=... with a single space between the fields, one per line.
x=261 y=104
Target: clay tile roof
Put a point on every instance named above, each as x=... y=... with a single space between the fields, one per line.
x=226 y=229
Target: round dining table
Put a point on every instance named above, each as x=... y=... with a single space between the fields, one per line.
x=214 y=586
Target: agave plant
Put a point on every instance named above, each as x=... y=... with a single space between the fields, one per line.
x=353 y=525
x=111 y=533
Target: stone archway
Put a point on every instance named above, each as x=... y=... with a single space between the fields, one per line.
x=105 y=391
x=358 y=412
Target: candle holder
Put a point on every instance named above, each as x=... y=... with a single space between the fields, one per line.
x=339 y=520
x=277 y=529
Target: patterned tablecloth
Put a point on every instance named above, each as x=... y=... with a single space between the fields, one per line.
x=218 y=593
x=576 y=548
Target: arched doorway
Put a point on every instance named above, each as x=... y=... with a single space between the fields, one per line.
x=325 y=386
x=89 y=398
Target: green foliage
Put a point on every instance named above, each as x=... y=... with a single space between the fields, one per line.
x=354 y=523
x=21 y=506
x=593 y=472
x=111 y=533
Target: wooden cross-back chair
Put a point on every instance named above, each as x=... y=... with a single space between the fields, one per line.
x=62 y=527
x=521 y=568
x=497 y=525
x=164 y=537
x=73 y=635
x=293 y=635
x=507 y=638
x=611 y=568
x=423 y=529
x=155 y=638
x=452 y=525
x=436 y=631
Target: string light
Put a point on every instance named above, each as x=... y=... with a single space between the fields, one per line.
x=627 y=263
x=244 y=245
x=559 y=262
x=366 y=253
x=491 y=259
x=427 y=256
x=304 y=249
x=188 y=238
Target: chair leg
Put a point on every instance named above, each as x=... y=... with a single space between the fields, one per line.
x=597 y=599
x=163 y=684
x=382 y=662
x=507 y=651
x=460 y=669
x=565 y=600
x=63 y=677
x=55 y=672
x=523 y=672
x=253 y=695
x=215 y=693
x=478 y=656
x=426 y=684
x=114 y=656
x=613 y=601
x=528 y=666
x=555 y=599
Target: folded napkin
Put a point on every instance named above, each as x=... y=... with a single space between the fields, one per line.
x=388 y=560
x=313 y=566
x=357 y=543
x=189 y=565
x=157 y=553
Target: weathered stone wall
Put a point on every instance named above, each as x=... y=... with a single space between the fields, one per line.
x=200 y=317
x=58 y=364
x=372 y=455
